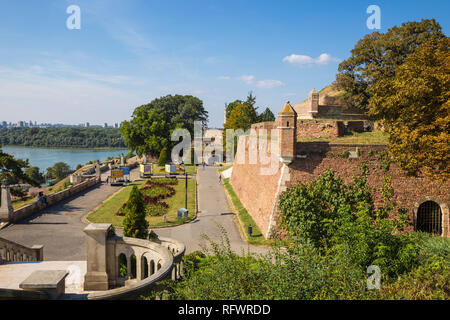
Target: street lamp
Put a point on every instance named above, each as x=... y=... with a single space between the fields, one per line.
x=185 y=177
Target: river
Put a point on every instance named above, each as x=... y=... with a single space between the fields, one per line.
x=47 y=157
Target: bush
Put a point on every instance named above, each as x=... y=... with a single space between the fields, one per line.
x=301 y=272
x=163 y=157
x=342 y=219
x=423 y=283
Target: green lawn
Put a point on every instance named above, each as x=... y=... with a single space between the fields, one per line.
x=190 y=169
x=106 y=213
x=257 y=237
x=374 y=137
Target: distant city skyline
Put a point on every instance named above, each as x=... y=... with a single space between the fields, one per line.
x=23 y=123
x=128 y=53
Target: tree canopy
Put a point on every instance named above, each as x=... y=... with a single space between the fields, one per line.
x=376 y=56
x=12 y=170
x=415 y=106
x=59 y=171
x=266 y=116
x=152 y=124
x=241 y=117
x=62 y=137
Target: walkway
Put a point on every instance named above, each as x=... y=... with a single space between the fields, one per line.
x=59 y=228
x=214 y=210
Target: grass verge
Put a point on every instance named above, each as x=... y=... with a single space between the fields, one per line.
x=246 y=220
x=374 y=137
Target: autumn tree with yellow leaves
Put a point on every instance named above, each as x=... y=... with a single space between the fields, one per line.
x=415 y=108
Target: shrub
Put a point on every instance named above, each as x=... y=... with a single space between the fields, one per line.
x=423 y=283
x=342 y=218
x=163 y=157
x=301 y=272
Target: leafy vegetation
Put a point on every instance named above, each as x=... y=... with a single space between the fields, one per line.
x=63 y=137
x=415 y=107
x=59 y=171
x=112 y=210
x=336 y=232
x=134 y=224
x=402 y=78
x=246 y=219
x=151 y=127
x=12 y=170
x=376 y=56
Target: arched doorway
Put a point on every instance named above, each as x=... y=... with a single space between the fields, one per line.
x=429 y=218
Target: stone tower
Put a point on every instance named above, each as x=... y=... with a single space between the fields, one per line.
x=314 y=100
x=287 y=133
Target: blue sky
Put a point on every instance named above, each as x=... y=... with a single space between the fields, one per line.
x=129 y=52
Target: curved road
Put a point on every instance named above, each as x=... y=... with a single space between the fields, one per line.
x=60 y=228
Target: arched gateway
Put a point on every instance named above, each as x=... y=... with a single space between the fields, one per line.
x=429 y=218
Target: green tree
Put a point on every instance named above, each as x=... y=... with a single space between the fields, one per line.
x=134 y=224
x=147 y=132
x=59 y=171
x=376 y=56
x=152 y=124
x=251 y=100
x=415 y=107
x=242 y=117
x=267 y=115
x=230 y=106
x=12 y=170
x=34 y=174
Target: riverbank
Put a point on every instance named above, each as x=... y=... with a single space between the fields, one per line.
x=44 y=158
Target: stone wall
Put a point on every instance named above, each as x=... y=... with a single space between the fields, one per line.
x=255 y=190
x=11 y=251
x=409 y=192
x=319 y=128
x=34 y=207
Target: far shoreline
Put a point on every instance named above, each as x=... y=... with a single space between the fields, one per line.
x=66 y=148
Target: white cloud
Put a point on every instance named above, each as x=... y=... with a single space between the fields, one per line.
x=248 y=79
x=299 y=59
x=268 y=84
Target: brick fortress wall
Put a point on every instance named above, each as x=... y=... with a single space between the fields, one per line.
x=256 y=191
x=409 y=192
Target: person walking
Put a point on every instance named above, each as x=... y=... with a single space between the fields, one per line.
x=220 y=178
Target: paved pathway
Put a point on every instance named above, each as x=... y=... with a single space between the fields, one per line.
x=214 y=211
x=59 y=228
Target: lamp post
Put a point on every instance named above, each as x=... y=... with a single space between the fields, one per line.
x=185 y=177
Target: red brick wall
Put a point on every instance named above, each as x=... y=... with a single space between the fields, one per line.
x=319 y=128
x=256 y=191
x=407 y=190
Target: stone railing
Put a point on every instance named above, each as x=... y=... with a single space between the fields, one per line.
x=147 y=263
x=12 y=252
x=52 y=199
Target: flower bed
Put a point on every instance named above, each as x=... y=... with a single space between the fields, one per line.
x=153 y=192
